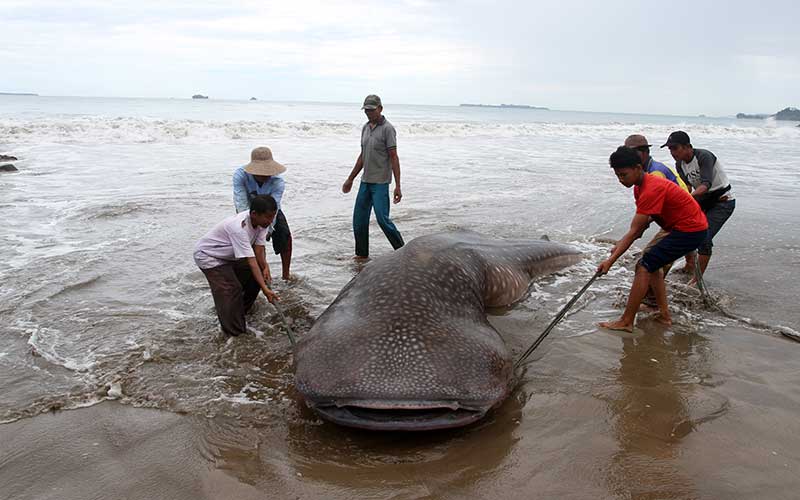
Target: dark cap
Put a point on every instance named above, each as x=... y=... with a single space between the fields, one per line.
x=677 y=137
x=371 y=102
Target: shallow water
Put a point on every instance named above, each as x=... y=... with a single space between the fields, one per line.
x=98 y=287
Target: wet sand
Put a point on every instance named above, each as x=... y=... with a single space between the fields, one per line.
x=109 y=451
x=653 y=415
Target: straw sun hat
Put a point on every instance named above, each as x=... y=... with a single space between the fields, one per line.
x=261 y=163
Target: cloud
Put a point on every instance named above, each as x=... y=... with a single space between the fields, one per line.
x=573 y=54
x=314 y=37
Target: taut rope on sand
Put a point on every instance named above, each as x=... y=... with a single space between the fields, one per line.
x=710 y=303
x=555 y=321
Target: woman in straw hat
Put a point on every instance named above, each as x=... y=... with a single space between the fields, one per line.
x=260 y=177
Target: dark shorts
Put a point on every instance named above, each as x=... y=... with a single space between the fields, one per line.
x=281 y=236
x=672 y=247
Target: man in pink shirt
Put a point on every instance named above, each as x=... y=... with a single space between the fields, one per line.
x=232 y=256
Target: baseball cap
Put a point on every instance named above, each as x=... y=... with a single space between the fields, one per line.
x=677 y=137
x=371 y=102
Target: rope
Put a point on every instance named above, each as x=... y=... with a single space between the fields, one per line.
x=698 y=277
x=710 y=303
x=284 y=321
x=555 y=321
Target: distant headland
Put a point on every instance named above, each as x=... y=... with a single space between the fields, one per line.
x=19 y=93
x=199 y=96
x=745 y=116
x=504 y=106
x=790 y=114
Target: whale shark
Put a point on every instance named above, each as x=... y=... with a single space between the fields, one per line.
x=406 y=345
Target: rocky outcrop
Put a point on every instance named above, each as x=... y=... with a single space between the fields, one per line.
x=791 y=114
x=199 y=96
x=253 y=99
x=8 y=158
x=8 y=168
x=745 y=116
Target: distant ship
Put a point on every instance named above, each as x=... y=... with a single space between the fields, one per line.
x=199 y=96
x=504 y=106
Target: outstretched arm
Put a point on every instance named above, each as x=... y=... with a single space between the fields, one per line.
x=261 y=258
x=257 y=274
x=638 y=226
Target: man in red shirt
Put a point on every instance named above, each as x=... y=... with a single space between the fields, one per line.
x=670 y=207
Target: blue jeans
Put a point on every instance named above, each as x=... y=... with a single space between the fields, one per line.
x=373 y=196
x=716 y=216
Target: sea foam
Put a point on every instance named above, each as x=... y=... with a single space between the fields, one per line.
x=134 y=130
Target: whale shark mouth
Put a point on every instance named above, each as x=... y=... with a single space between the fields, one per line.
x=399 y=416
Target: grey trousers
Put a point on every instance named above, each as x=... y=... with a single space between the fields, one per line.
x=234 y=290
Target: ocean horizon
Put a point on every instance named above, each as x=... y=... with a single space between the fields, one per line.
x=509 y=107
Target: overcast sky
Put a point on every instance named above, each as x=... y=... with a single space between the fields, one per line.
x=674 y=57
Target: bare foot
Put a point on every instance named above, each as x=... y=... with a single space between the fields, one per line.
x=647 y=308
x=360 y=258
x=664 y=320
x=289 y=277
x=616 y=325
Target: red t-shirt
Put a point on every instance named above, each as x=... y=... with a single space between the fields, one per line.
x=669 y=205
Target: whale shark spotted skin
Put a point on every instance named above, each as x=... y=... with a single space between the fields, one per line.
x=406 y=344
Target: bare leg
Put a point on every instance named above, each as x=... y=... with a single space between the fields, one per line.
x=688 y=268
x=286 y=260
x=641 y=282
x=702 y=263
x=650 y=298
x=660 y=289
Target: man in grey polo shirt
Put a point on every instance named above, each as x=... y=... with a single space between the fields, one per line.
x=379 y=160
x=700 y=169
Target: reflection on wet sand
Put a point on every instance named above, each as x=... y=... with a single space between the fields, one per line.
x=656 y=405
x=338 y=460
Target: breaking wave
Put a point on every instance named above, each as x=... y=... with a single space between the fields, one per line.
x=134 y=130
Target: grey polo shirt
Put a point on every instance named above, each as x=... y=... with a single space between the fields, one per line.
x=704 y=169
x=375 y=145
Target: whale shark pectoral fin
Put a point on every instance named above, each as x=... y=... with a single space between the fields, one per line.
x=505 y=284
x=510 y=271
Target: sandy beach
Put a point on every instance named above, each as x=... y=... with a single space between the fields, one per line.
x=110 y=451
x=660 y=422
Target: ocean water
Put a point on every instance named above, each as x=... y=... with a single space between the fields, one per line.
x=98 y=287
